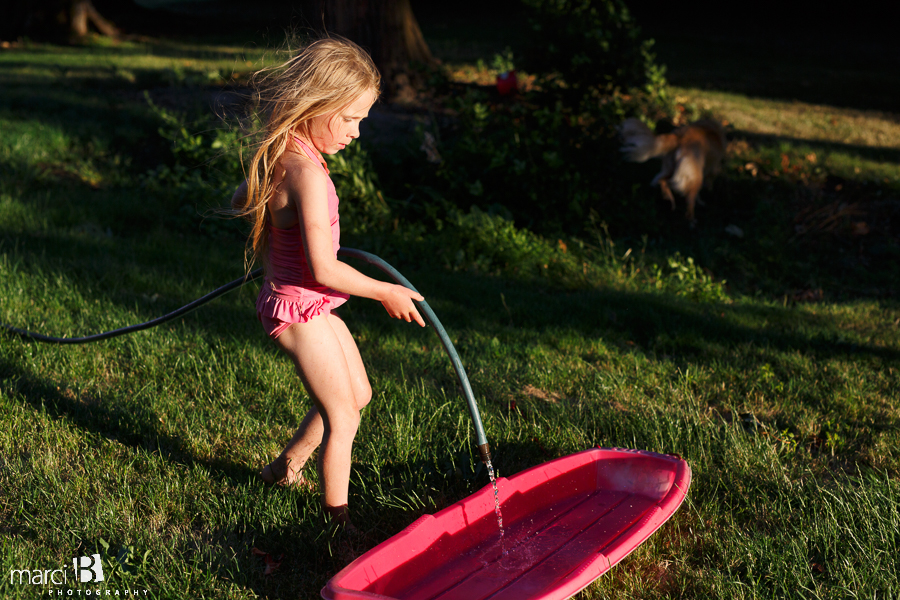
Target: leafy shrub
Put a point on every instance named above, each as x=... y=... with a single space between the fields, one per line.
x=683 y=277
x=491 y=244
x=363 y=207
x=541 y=164
x=581 y=47
x=204 y=169
x=549 y=156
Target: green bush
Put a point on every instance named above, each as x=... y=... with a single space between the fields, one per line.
x=581 y=47
x=363 y=207
x=201 y=174
x=549 y=156
x=682 y=277
x=492 y=244
x=541 y=164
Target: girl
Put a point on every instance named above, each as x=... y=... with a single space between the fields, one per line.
x=315 y=103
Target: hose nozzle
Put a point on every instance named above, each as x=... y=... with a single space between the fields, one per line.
x=485 y=451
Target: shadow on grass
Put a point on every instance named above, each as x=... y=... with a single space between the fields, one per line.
x=125 y=423
x=311 y=552
x=835 y=235
x=102 y=77
x=473 y=301
x=150 y=276
x=101 y=112
x=654 y=323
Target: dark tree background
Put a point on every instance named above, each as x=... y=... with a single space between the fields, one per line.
x=387 y=29
x=60 y=20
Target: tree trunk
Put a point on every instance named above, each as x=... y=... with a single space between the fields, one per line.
x=83 y=12
x=53 y=20
x=389 y=31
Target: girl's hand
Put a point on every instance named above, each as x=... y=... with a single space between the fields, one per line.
x=399 y=304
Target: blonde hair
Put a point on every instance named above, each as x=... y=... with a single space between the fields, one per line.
x=322 y=78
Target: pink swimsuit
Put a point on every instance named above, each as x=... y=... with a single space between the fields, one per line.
x=290 y=294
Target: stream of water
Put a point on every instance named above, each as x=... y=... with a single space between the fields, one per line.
x=497 y=510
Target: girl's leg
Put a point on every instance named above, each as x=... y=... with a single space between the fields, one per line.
x=308 y=345
x=362 y=390
x=288 y=467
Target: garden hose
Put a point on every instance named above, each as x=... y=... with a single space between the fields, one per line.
x=428 y=314
x=483 y=449
x=140 y=326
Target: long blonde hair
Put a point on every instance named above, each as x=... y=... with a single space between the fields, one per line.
x=320 y=79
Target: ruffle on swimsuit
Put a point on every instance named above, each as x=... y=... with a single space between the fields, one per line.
x=277 y=310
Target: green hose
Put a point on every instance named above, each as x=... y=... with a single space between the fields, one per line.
x=483 y=448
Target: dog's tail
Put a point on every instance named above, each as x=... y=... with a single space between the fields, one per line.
x=641 y=144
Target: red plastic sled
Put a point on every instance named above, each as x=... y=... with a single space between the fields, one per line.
x=567 y=522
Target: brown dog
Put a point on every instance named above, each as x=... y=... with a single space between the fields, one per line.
x=689 y=154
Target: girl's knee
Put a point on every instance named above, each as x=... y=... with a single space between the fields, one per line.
x=343 y=425
x=364 y=396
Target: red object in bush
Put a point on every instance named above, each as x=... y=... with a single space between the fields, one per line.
x=567 y=522
x=507 y=83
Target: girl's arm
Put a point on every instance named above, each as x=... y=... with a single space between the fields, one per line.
x=308 y=189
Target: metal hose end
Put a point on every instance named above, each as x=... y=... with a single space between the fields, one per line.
x=485 y=451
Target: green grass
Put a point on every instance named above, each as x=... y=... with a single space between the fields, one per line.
x=128 y=63
x=144 y=448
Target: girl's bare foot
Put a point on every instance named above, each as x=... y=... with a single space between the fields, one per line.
x=271 y=474
x=345 y=541
x=340 y=515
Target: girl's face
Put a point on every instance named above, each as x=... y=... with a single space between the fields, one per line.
x=331 y=133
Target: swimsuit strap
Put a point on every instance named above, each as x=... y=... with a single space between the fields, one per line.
x=317 y=155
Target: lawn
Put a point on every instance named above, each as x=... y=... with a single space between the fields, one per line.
x=769 y=360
